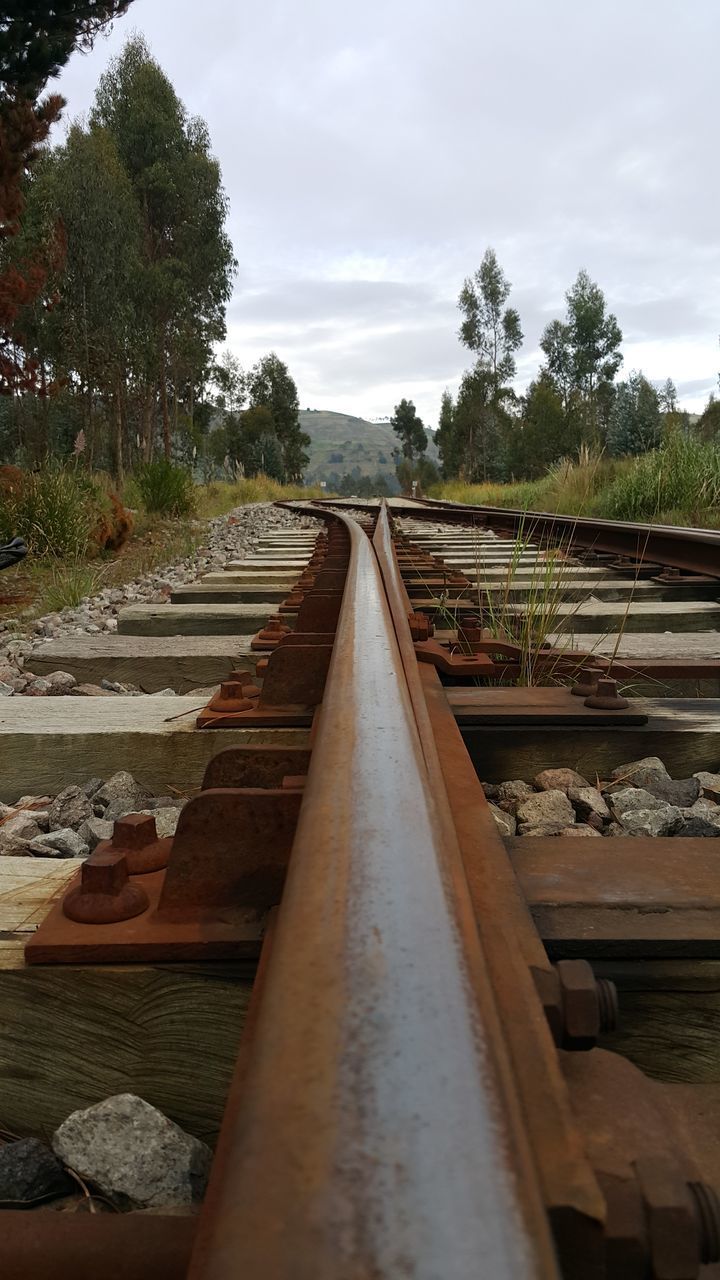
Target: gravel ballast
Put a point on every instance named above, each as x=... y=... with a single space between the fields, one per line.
x=639 y=798
x=229 y=537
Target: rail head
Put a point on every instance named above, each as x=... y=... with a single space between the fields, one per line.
x=370 y=1137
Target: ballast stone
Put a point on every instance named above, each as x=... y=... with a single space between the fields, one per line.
x=70 y=808
x=504 y=822
x=588 y=802
x=544 y=807
x=29 y=1171
x=134 y=1154
x=60 y=844
x=560 y=780
x=120 y=789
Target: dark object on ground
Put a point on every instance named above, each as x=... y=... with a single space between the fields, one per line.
x=13 y=553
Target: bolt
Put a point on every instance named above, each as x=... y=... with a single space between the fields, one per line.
x=135 y=831
x=135 y=836
x=587 y=682
x=707 y=1208
x=231 y=697
x=606 y=696
x=104 y=895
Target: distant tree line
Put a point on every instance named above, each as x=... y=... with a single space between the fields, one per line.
x=113 y=291
x=489 y=433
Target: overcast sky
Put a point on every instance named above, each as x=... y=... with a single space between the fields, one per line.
x=372 y=152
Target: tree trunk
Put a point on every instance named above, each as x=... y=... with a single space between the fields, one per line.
x=164 y=405
x=148 y=423
x=119 y=470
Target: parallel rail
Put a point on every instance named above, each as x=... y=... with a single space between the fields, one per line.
x=689 y=550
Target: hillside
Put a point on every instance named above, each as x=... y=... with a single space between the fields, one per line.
x=342 y=444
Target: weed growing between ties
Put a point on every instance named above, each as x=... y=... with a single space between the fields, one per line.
x=529 y=604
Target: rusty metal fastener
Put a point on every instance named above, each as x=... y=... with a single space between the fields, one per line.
x=682 y=1218
x=606 y=696
x=104 y=895
x=589 y=1003
x=135 y=837
x=577 y=1005
x=707 y=1209
x=246 y=682
x=587 y=682
x=421 y=628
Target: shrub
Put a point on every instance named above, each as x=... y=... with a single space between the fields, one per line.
x=54 y=510
x=682 y=476
x=165 y=488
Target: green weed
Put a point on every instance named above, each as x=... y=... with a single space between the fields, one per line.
x=165 y=489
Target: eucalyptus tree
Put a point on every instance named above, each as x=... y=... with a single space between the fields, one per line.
x=36 y=40
x=271 y=386
x=583 y=354
x=635 y=424
x=409 y=429
x=186 y=268
x=492 y=331
x=92 y=328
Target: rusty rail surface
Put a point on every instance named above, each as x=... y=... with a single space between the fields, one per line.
x=374 y=1135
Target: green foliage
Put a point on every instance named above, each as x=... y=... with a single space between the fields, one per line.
x=490 y=329
x=38 y=38
x=583 y=353
x=409 y=429
x=54 y=510
x=635 y=424
x=708 y=427
x=69 y=584
x=678 y=483
x=128 y=329
x=545 y=433
x=445 y=436
x=164 y=488
x=272 y=389
x=683 y=475
x=481 y=423
x=474 y=432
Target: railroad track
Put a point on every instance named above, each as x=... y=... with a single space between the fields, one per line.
x=422 y=1087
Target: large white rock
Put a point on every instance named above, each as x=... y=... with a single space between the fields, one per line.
x=134 y=1154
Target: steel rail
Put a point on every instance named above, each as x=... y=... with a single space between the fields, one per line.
x=694 y=550
x=372 y=1136
x=511 y=946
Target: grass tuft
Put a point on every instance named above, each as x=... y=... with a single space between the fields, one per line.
x=69 y=584
x=165 y=489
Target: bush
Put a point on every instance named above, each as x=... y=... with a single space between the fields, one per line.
x=165 y=488
x=682 y=476
x=55 y=511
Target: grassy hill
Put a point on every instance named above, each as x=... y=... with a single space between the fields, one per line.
x=342 y=444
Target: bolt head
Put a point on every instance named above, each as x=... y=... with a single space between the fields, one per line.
x=135 y=831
